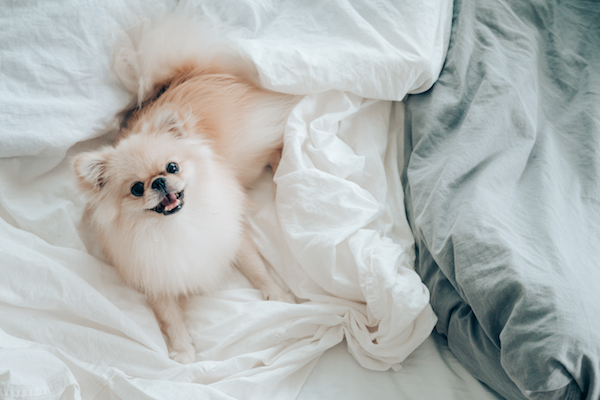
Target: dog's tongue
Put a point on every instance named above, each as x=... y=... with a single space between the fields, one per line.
x=169 y=199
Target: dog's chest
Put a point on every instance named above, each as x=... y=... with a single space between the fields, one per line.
x=178 y=259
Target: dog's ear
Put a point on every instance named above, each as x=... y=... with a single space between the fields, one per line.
x=90 y=169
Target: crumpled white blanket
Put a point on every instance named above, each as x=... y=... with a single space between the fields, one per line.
x=333 y=226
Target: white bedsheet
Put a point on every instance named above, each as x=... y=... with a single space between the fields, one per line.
x=431 y=372
x=333 y=228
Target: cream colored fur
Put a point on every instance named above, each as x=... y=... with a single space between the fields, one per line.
x=199 y=109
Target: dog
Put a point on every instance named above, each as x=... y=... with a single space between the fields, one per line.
x=168 y=199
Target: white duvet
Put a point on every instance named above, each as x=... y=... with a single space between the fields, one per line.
x=333 y=227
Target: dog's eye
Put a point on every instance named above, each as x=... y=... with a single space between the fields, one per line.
x=137 y=189
x=172 y=168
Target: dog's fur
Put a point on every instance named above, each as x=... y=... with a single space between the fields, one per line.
x=201 y=132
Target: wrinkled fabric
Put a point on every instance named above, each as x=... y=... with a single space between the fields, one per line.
x=333 y=226
x=503 y=195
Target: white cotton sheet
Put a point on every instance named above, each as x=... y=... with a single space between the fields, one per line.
x=332 y=226
x=430 y=372
x=380 y=50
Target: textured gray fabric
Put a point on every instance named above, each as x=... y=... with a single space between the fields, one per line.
x=503 y=194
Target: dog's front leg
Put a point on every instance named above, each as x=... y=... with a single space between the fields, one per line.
x=169 y=312
x=251 y=264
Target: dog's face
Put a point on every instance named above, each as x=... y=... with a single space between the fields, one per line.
x=145 y=174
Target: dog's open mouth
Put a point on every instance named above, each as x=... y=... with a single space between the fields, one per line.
x=170 y=204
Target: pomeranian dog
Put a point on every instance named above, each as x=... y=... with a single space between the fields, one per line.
x=168 y=200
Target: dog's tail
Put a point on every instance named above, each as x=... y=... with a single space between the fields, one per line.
x=149 y=56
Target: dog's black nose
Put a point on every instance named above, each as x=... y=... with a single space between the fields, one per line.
x=160 y=184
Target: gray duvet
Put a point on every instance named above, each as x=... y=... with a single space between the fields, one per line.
x=502 y=184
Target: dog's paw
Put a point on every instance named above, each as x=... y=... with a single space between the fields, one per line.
x=186 y=355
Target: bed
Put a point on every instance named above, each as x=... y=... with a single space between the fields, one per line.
x=434 y=211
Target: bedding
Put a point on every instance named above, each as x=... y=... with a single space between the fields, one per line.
x=333 y=228
x=430 y=372
x=502 y=191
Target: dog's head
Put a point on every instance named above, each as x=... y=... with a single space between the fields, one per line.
x=146 y=173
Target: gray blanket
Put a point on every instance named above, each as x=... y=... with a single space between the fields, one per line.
x=502 y=184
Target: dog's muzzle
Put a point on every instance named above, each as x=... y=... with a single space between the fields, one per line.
x=171 y=201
